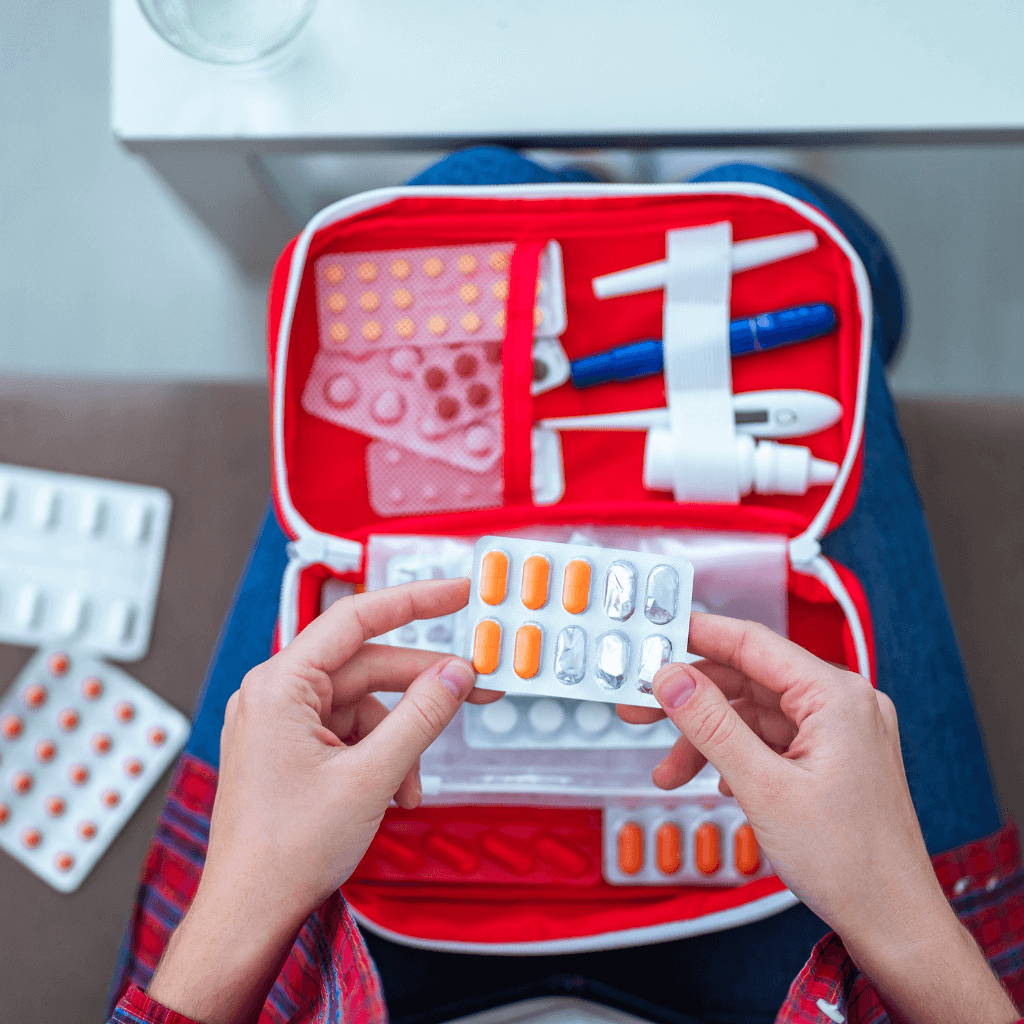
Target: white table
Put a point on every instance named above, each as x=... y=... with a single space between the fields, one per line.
x=435 y=74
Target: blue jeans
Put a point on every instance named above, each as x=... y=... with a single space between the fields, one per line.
x=739 y=975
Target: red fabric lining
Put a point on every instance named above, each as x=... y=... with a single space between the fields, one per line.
x=603 y=470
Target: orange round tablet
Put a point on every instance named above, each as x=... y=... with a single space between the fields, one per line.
x=499 y=319
x=576 y=586
x=92 y=688
x=405 y=328
x=22 y=782
x=372 y=330
x=369 y=301
x=12 y=727
x=35 y=695
x=110 y=797
x=125 y=711
x=101 y=743
x=498 y=260
x=59 y=664
x=46 y=751
x=68 y=719
x=78 y=774
x=400 y=269
x=469 y=293
x=157 y=736
x=467 y=263
x=31 y=838
x=402 y=298
x=55 y=806
x=500 y=290
x=534 y=592
x=486 y=646
x=5 y=813
x=333 y=273
x=367 y=271
x=338 y=333
x=706 y=848
x=748 y=857
x=526 y=659
x=538 y=316
x=86 y=829
x=471 y=323
x=437 y=325
x=64 y=861
x=433 y=267
x=337 y=302
x=493 y=577
x=133 y=767
x=669 y=844
x=631 y=848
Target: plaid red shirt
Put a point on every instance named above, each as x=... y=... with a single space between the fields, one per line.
x=329 y=975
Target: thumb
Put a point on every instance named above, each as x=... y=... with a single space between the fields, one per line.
x=712 y=725
x=426 y=707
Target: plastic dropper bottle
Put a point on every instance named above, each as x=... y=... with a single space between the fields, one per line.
x=765 y=467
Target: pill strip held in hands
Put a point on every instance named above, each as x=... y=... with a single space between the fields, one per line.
x=567 y=620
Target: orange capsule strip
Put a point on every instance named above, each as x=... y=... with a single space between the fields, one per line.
x=493 y=577
x=668 y=844
x=526 y=660
x=576 y=586
x=486 y=646
x=535 y=582
x=748 y=857
x=706 y=849
x=631 y=848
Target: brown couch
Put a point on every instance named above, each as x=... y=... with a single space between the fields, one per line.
x=207 y=444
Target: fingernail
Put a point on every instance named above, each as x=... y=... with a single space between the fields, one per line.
x=676 y=689
x=457 y=678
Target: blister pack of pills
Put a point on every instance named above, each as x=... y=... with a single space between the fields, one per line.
x=456 y=293
x=561 y=620
x=80 y=560
x=81 y=744
x=517 y=722
x=443 y=401
x=693 y=842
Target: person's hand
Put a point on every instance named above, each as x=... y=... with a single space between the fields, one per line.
x=812 y=754
x=309 y=762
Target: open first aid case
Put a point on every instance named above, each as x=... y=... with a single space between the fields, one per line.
x=563 y=847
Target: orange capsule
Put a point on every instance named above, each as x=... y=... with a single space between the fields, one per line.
x=59 y=664
x=486 y=646
x=22 y=782
x=78 y=774
x=101 y=743
x=534 y=592
x=68 y=719
x=35 y=695
x=748 y=857
x=125 y=711
x=668 y=844
x=12 y=727
x=55 y=806
x=31 y=837
x=576 y=586
x=706 y=852
x=526 y=660
x=92 y=688
x=86 y=830
x=46 y=751
x=110 y=797
x=64 y=862
x=493 y=577
x=631 y=848
x=157 y=736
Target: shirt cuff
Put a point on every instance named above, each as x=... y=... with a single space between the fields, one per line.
x=135 y=1007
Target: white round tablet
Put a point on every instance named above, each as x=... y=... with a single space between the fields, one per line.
x=546 y=715
x=499 y=717
x=593 y=717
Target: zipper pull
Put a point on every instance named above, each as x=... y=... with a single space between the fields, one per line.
x=335 y=552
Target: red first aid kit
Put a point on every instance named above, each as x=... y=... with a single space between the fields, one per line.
x=499 y=876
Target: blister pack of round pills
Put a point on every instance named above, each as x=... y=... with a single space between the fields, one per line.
x=81 y=744
x=567 y=620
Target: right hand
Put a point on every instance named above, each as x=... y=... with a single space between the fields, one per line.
x=812 y=754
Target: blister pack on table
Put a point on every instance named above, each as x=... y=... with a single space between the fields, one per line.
x=81 y=744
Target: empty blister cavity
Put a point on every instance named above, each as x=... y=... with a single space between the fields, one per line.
x=546 y=716
x=620 y=591
x=571 y=655
x=92 y=515
x=662 y=600
x=655 y=652
x=29 y=609
x=593 y=718
x=501 y=717
x=611 y=661
x=138 y=522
